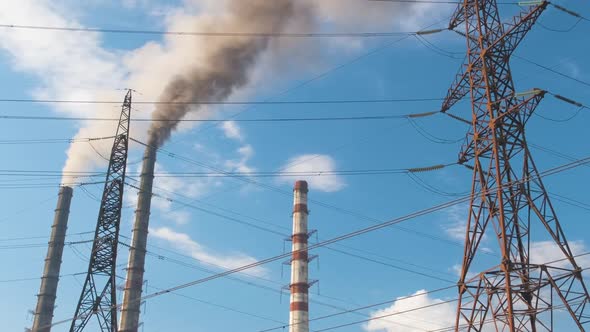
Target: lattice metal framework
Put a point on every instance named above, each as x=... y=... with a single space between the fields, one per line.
x=507 y=192
x=99 y=293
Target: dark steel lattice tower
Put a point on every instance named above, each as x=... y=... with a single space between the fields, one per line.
x=99 y=293
x=507 y=193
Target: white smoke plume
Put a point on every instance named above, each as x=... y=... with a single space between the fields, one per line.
x=77 y=66
x=225 y=66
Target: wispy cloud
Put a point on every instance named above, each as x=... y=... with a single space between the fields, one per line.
x=232 y=130
x=241 y=165
x=186 y=244
x=316 y=164
x=436 y=315
x=543 y=252
x=166 y=186
x=455 y=223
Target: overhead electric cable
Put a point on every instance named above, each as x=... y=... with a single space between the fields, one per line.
x=38 y=237
x=218 y=102
x=355 y=214
x=388 y=315
x=53 y=140
x=285 y=235
x=445 y=2
x=363 y=308
x=332 y=70
x=551 y=70
x=396 y=300
x=38 y=278
x=358 y=232
x=261 y=120
x=214 y=33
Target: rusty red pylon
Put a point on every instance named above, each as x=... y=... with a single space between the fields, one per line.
x=507 y=192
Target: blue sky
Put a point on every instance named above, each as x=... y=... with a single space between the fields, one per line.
x=65 y=65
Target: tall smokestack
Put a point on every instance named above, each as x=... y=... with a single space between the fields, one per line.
x=137 y=251
x=50 y=278
x=299 y=302
x=225 y=68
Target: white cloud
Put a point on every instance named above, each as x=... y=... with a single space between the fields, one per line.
x=438 y=314
x=184 y=242
x=542 y=252
x=241 y=164
x=66 y=66
x=246 y=151
x=71 y=65
x=456 y=222
x=167 y=186
x=315 y=164
x=232 y=130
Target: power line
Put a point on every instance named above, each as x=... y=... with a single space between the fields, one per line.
x=213 y=34
x=416 y=214
x=349 y=235
x=332 y=70
x=551 y=70
x=440 y=2
x=388 y=315
x=361 y=308
x=37 y=237
x=38 y=278
x=396 y=300
x=53 y=140
x=182 y=295
x=374 y=34
x=249 y=283
x=37 y=245
x=224 y=307
x=284 y=235
x=262 y=120
x=254 y=174
x=220 y=102
x=248 y=180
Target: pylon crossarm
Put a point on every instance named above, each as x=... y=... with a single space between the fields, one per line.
x=457 y=18
x=459 y=89
x=525 y=107
x=515 y=32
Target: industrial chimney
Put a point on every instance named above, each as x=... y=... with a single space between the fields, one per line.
x=299 y=315
x=50 y=278
x=135 y=266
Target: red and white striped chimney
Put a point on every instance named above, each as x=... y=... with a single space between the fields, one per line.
x=299 y=315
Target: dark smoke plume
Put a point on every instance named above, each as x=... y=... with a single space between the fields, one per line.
x=226 y=67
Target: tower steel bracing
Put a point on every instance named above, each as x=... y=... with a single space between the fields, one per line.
x=507 y=192
x=99 y=293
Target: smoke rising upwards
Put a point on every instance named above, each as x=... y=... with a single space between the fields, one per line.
x=226 y=66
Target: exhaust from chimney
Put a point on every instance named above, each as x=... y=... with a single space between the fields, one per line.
x=226 y=68
x=50 y=278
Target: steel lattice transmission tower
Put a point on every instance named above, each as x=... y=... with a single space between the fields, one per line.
x=508 y=196
x=99 y=293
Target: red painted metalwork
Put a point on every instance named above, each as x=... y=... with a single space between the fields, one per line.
x=507 y=191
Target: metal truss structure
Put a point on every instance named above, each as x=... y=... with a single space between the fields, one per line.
x=99 y=293
x=508 y=196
